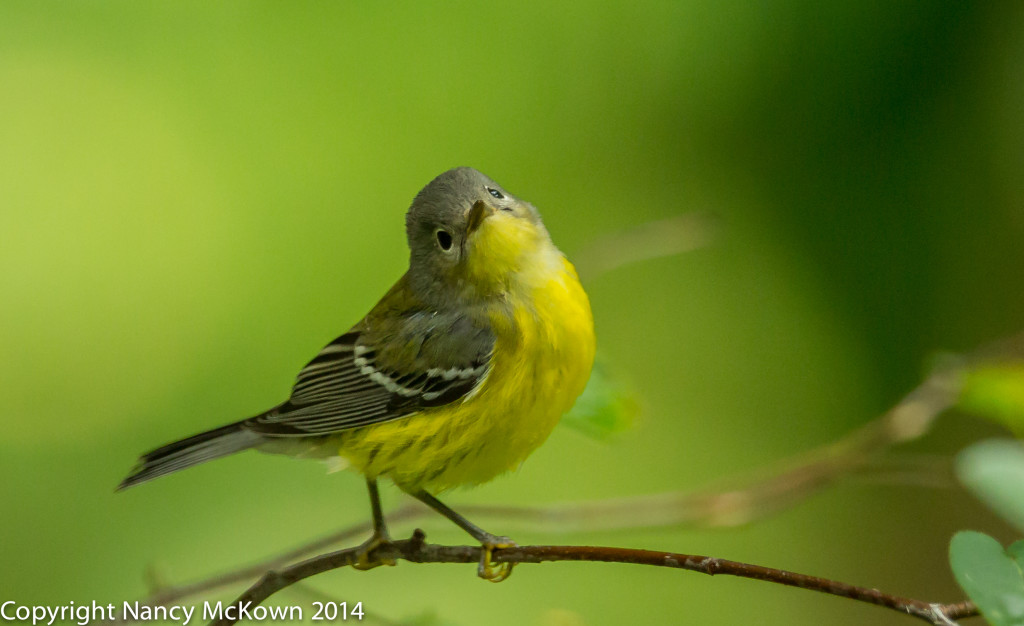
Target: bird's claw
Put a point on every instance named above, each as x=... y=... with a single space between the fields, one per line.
x=488 y=569
x=367 y=548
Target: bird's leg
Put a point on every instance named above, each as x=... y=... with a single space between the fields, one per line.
x=494 y=572
x=380 y=534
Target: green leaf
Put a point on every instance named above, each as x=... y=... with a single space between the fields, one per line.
x=990 y=575
x=996 y=392
x=606 y=406
x=1016 y=551
x=994 y=471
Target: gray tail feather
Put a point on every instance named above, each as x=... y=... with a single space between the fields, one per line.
x=196 y=449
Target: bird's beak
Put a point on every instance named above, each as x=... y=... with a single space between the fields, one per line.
x=477 y=214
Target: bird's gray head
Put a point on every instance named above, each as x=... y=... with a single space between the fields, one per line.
x=444 y=222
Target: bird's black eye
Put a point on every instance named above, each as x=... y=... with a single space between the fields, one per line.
x=495 y=193
x=444 y=239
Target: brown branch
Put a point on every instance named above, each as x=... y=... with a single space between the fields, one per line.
x=737 y=502
x=747 y=500
x=648 y=511
x=416 y=551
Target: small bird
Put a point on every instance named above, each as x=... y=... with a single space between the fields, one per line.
x=461 y=370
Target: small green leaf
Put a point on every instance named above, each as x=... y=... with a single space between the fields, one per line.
x=996 y=392
x=991 y=576
x=994 y=471
x=1016 y=551
x=606 y=406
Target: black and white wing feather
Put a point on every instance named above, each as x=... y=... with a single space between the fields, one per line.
x=372 y=375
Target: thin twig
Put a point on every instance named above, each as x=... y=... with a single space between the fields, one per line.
x=749 y=499
x=792 y=481
x=651 y=240
x=416 y=551
x=648 y=511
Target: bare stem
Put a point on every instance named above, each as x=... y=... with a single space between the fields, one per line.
x=416 y=551
x=745 y=500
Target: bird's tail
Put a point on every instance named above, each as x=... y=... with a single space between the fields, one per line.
x=196 y=449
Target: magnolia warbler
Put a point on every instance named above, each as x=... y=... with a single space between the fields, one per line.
x=461 y=370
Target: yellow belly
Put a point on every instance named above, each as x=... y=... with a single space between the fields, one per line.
x=542 y=360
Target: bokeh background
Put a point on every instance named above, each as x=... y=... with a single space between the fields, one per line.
x=195 y=197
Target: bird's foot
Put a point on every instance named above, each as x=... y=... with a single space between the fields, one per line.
x=489 y=570
x=366 y=558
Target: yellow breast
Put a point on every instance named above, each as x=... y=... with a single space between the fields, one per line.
x=543 y=353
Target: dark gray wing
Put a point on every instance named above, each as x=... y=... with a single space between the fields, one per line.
x=380 y=372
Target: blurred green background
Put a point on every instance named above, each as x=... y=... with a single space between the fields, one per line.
x=195 y=197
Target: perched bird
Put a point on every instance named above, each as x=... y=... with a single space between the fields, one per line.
x=459 y=372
